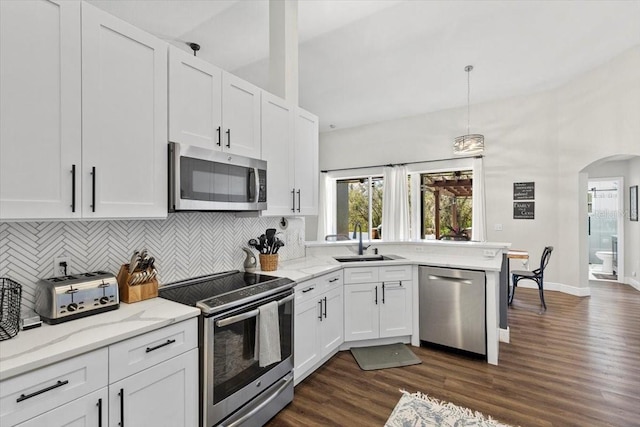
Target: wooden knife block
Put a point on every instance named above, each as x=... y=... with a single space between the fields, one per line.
x=133 y=293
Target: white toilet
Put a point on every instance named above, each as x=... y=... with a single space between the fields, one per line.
x=607 y=261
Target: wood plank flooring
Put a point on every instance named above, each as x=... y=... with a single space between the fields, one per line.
x=578 y=364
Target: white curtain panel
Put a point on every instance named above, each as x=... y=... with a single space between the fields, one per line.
x=395 y=204
x=479 y=225
x=324 y=211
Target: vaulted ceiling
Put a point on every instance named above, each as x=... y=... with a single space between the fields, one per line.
x=365 y=61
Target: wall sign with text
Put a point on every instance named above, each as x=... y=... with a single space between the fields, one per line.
x=524 y=210
x=524 y=191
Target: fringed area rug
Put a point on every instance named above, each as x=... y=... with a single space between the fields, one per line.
x=420 y=410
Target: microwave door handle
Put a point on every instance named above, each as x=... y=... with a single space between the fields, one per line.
x=256 y=183
x=249 y=314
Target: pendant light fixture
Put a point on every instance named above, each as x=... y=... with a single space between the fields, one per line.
x=469 y=143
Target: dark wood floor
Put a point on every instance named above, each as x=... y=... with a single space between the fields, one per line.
x=578 y=364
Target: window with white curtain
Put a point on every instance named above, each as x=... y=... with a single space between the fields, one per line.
x=359 y=201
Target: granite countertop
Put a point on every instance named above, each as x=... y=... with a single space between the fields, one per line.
x=35 y=348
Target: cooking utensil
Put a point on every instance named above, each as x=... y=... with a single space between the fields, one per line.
x=270 y=235
x=263 y=244
x=278 y=244
x=134 y=261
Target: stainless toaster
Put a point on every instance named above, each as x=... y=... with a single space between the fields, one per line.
x=63 y=298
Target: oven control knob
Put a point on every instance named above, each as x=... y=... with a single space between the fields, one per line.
x=104 y=300
x=72 y=307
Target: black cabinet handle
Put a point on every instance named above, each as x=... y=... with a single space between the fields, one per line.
x=121 y=394
x=304 y=291
x=44 y=390
x=320 y=315
x=99 y=404
x=293 y=200
x=73 y=188
x=150 y=349
x=228 y=138
x=298 y=200
x=219 y=136
x=383 y=292
x=325 y=307
x=376 y=295
x=333 y=280
x=93 y=189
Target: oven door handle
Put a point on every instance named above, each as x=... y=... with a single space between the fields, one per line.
x=249 y=314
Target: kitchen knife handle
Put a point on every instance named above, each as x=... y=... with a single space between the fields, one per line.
x=298 y=200
x=121 y=394
x=228 y=138
x=99 y=405
x=293 y=200
x=44 y=390
x=93 y=189
x=219 y=136
x=73 y=188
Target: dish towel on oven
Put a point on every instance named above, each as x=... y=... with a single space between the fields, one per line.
x=268 y=335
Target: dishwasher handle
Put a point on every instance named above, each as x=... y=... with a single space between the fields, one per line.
x=450 y=279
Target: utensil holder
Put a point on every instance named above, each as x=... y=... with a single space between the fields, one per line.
x=268 y=262
x=10 y=299
x=131 y=291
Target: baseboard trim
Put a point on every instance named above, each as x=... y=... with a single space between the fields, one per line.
x=504 y=335
x=632 y=282
x=560 y=287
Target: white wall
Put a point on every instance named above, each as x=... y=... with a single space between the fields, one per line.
x=547 y=138
x=632 y=229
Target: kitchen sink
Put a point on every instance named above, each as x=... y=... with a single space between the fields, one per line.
x=365 y=258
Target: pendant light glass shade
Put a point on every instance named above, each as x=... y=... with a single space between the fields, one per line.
x=469 y=143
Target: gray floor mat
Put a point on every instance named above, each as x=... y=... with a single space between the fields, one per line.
x=384 y=356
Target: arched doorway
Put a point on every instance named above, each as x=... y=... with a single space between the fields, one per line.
x=609 y=240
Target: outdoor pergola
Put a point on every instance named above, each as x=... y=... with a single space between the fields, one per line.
x=453 y=184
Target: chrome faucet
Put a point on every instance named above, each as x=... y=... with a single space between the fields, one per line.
x=360 y=247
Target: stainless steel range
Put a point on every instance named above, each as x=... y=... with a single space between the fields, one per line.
x=234 y=389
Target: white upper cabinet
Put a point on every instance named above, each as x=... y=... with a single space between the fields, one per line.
x=211 y=108
x=124 y=119
x=290 y=147
x=306 y=162
x=40 y=131
x=277 y=150
x=195 y=101
x=83 y=112
x=240 y=116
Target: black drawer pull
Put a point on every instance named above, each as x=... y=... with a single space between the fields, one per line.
x=73 y=188
x=333 y=280
x=304 y=291
x=44 y=390
x=150 y=349
x=99 y=405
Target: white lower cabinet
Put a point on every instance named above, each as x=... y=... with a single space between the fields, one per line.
x=318 y=326
x=157 y=385
x=163 y=395
x=377 y=309
x=87 y=411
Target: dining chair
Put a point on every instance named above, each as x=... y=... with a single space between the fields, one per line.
x=536 y=275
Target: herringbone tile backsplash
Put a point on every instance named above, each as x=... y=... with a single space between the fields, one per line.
x=187 y=244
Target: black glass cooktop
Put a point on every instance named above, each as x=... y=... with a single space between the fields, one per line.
x=218 y=292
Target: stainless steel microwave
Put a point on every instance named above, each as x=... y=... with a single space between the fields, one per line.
x=208 y=180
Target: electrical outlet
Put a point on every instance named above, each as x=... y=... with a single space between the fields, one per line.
x=490 y=253
x=419 y=249
x=633 y=274
x=59 y=270
x=497 y=227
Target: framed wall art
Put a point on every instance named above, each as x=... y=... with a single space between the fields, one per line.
x=633 y=203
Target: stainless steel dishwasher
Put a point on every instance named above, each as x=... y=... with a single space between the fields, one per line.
x=452 y=308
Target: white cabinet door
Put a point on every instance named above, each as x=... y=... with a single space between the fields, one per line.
x=277 y=150
x=165 y=395
x=306 y=349
x=306 y=162
x=124 y=119
x=361 y=311
x=195 y=101
x=40 y=109
x=332 y=324
x=87 y=411
x=240 y=116
x=396 y=309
